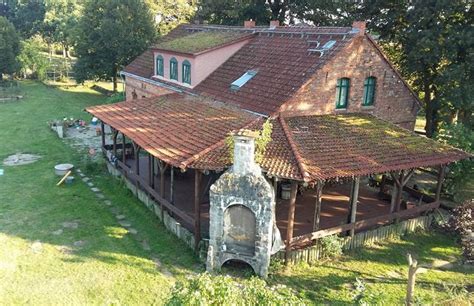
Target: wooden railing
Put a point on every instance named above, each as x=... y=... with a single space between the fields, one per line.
x=129 y=173
x=307 y=238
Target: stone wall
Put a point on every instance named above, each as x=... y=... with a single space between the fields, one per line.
x=393 y=100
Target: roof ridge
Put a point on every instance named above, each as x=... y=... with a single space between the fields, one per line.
x=299 y=160
x=184 y=164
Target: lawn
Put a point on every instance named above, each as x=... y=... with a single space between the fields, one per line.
x=45 y=260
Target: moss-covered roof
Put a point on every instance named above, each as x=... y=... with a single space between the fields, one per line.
x=200 y=41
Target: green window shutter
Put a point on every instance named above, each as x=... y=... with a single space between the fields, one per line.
x=186 y=73
x=342 y=93
x=159 y=65
x=369 y=91
x=173 y=69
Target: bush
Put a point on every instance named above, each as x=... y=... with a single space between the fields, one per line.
x=116 y=97
x=205 y=289
x=460 y=173
x=462 y=222
x=32 y=62
x=332 y=246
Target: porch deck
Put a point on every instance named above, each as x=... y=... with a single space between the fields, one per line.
x=334 y=209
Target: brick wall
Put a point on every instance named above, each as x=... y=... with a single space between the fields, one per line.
x=393 y=100
x=142 y=89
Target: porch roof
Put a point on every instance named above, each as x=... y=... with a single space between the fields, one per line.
x=175 y=128
x=189 y=132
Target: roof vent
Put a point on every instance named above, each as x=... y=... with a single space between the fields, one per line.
x=247 y=76
x=327 y=46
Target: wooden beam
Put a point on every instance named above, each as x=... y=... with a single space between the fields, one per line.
x=197 y=208
x=150 y=169
x=114 y=146
x=439 y=184
x=124 y=156
x=172 y=185
x=102 y=133
x=353 y=203
x=136 y=153
x=162 y=187
x=317 y=205
x=291 y=220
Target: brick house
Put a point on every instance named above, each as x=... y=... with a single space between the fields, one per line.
x=341 y=114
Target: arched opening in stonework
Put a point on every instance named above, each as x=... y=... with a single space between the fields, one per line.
x=240 y=229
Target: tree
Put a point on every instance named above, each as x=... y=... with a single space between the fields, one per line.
x=31 y=61
x=168 y=13
x=9 y=47
x=110 y=34
x=27 y=16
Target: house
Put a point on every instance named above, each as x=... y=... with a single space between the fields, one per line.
x=340 y=113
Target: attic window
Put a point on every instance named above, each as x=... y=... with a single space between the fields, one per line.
x=247 y=76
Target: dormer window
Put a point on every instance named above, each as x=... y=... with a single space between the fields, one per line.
x=160 y=68
x=173 y=69
x=186 y=73
x=369 y=91
x=342 y=93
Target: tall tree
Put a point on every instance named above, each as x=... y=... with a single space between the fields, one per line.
x=170 y=13
x=9 y=47
x=111 y=33
x=27 y=16
x=234 y=12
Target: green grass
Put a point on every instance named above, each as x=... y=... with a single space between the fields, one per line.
x=383 y=269
x=112 y=267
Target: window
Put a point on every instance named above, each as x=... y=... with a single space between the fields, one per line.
x=369 y=91
x=342 y=93
x=186 y=72
x=247 y=76
x=173 y=69
x=159 y=65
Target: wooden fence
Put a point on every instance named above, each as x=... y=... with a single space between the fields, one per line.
x=316 y=251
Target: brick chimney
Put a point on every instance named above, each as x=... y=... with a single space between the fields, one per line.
x=249 y=23
x=361 y=26
x=274 y=23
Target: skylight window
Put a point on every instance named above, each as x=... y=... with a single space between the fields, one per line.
x=328 y=45
x=247 y=76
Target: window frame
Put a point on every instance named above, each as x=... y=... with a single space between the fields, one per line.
x=370 y=84
x=174 y=71
x=342 y=84
x=160 y=72
x=185 y=76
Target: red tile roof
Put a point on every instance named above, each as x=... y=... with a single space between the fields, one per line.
x=176 y=128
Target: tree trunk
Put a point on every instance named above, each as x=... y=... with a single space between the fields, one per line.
x=465 y=117
x=431 y=113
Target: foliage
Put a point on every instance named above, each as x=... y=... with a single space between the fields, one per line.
x=9 y=47
x=205 y=289
x=104 y=43
x=32 y=61
x=461 y=173
x=261 y=142
x=116 y=97
x=26 y=15
x=462 y=221
x=331 y=245
x=168 y=14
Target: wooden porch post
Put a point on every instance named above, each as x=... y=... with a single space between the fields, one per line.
x=291 y=220
x=151 y=170
x=275 y=186
x=114 y=148
x=197 y=208
x=163 y=167
x=439 y=184
x=102 y=134
x=136 y=151
x=317 y=206
x=171 y=186
x=123 y=149
x=353 y=203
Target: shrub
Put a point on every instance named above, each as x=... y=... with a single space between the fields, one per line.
x=205 y=289
x=332 y=246
x=116 y=97
x=32 y=62
x=463 y=223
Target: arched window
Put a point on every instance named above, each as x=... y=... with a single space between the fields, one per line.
x=160 y=68
x=369 y=91
x=186 y=73
x=173 y=69
x=342 y=93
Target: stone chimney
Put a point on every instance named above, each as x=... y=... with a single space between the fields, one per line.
x=244 y=152
x=361 y=26
x=274 y=23
x=249 y=23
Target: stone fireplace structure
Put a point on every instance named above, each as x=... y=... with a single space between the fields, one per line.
x=242 y=212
